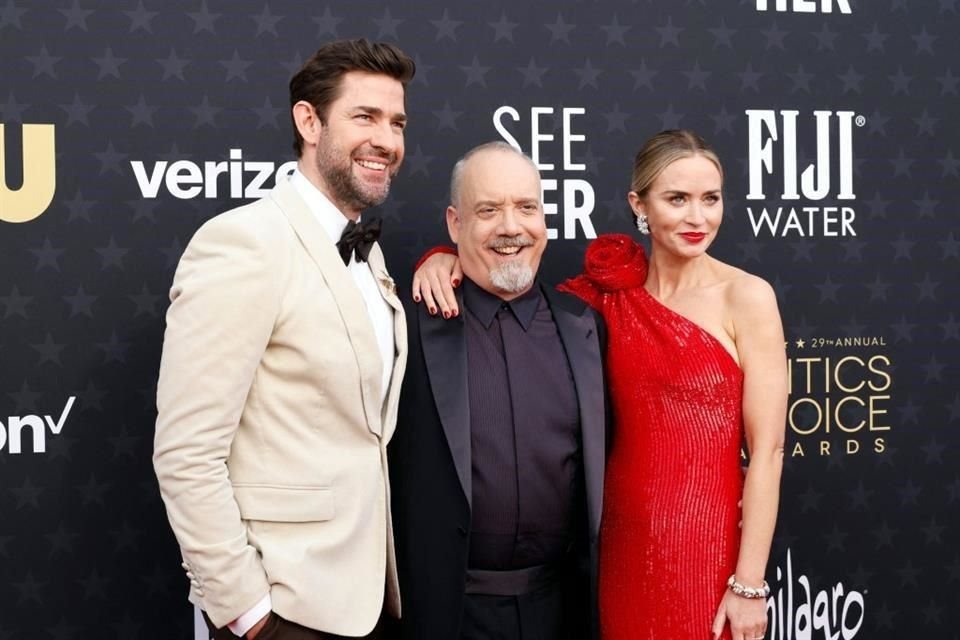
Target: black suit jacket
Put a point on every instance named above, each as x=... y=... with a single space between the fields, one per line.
x=430 y=467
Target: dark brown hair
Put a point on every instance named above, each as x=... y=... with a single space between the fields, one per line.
x=318 y=81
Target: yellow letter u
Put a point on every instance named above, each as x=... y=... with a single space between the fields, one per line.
x=39 y=175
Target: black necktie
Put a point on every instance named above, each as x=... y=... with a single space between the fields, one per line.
x=358 y=238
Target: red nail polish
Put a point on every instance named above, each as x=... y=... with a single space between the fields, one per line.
x=456 y=283
x=433 y=311
x=456 y=312
x=446 y=315
x=416 y=298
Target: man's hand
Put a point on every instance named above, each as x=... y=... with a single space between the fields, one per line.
x=258 y=627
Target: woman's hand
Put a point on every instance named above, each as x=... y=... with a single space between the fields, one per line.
x=434 y=282
x=747 y=617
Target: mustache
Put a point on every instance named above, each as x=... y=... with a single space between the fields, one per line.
x=504 y=242
x=388 y=158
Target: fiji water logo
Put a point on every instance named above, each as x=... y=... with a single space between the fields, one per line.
x=796 y=611
x=801 y=204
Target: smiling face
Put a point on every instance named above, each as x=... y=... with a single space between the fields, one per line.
x=359 y=146
x=497 y=222
x=684 y=206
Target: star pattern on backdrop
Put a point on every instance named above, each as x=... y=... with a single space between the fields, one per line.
x=143 y=82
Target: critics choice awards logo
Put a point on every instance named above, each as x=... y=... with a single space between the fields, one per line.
x=796 y=198
x=840 y=396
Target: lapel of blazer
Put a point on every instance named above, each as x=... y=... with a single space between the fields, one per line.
x=578 y=332
x=348 y=299
x=388 y=289
x=445 y=352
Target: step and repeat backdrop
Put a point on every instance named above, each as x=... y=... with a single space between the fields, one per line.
x=125 y=125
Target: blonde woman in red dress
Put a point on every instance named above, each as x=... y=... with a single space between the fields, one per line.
x=696 y=366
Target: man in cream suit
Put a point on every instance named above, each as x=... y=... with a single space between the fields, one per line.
x=281 y=369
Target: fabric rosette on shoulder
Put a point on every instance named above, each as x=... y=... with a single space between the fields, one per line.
x=615 y=261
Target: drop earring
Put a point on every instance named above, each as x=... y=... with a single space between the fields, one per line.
x=642 y=225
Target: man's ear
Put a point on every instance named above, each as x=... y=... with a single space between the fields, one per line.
x=453 y=223
x=307 y=122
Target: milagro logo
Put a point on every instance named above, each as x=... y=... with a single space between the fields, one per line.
x=804 y=6
x=773 y=161
x=12 y=434
x=796 y=611
x=185 y=180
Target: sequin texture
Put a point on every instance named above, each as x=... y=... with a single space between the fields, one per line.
x=669 y=535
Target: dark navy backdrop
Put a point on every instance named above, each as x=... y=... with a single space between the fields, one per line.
x=115 y=116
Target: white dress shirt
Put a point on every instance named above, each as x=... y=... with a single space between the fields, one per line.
x=381 y=313
x=381 y=317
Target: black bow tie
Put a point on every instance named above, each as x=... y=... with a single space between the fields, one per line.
x=358 y=238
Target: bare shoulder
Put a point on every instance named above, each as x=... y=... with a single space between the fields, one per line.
x=747 y=295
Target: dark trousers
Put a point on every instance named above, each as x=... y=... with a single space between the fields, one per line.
x=545 y=614
x=278 y=628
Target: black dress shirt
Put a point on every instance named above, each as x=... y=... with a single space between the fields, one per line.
x=525 y=432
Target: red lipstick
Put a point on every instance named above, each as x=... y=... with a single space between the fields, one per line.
x=692 y=237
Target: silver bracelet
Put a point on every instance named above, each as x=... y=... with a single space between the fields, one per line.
x=748 y=592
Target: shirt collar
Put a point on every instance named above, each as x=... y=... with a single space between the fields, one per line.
x=484 y=305
x=327 y=214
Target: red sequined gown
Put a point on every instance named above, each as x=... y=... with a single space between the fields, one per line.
x=669 y=536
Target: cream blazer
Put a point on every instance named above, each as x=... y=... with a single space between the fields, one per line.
x=270 y=446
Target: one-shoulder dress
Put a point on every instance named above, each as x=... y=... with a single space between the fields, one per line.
x=669 y=535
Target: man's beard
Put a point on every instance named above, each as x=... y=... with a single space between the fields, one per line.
x=348 y=191
x=512 y=277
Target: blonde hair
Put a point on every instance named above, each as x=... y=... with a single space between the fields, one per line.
x=663 y=149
